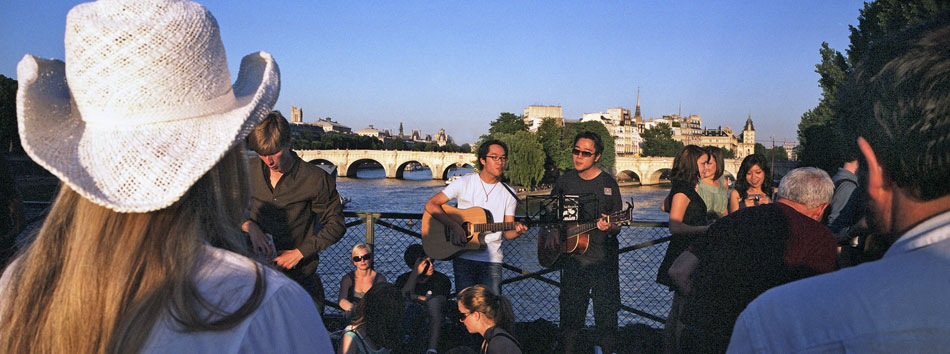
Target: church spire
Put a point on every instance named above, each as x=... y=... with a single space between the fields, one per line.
x=636 y=115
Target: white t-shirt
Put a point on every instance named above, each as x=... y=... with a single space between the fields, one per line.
x=471 y=191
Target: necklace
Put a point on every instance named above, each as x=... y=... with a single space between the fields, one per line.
x=487 y=191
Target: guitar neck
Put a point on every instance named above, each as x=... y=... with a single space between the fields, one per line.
x=582 y=228
x=495 y=227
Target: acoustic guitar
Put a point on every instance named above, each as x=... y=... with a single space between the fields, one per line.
x=551 y=245
x=476 y=221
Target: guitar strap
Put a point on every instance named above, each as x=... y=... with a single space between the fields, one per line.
x=513 y=195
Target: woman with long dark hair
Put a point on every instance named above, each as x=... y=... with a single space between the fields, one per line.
x=712 y=187
x=687 y=221
x=753 y=184
x=490 y=315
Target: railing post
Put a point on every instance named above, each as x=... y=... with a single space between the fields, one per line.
x=370 y=219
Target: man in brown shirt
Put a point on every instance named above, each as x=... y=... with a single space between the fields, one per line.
x=287 y=195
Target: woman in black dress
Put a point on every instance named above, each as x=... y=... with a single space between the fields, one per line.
x=687 y=221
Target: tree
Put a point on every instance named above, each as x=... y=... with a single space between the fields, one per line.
x=398 y=144
x=608 y=156
x=658 y=141
x=465 y=148
x=819 y=133
x=728 y=154
x=507 y=123
x=776 y=153
x=556 y=146
x=9 y=136
x=525 y=158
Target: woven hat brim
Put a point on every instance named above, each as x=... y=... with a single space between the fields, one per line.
x=134 y=168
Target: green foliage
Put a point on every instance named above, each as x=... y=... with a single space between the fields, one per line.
x=525 y=158
x=397 y=144
x=608 y=156
x=728 y=154
x=465 y=148
x=820 y=135
x=507 y=123
x=557 y=149
x=658 y=141
x=9 y=136
x=776 y=153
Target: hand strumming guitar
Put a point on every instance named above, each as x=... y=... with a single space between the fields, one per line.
x=458 y=234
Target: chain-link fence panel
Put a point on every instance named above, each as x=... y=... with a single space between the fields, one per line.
x=532 y=288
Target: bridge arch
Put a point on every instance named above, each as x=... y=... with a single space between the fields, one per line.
x=401 y=169
x=445 y=171
x=661 y=175
x=628 y=176
x=354 y=166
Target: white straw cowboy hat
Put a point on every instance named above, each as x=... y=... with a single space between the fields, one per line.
x=143 y=106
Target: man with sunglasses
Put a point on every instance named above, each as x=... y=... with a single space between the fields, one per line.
x=484 y=190
x=596 y=271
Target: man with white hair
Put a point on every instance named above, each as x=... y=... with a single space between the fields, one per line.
x=745 y=253
x=897 y=104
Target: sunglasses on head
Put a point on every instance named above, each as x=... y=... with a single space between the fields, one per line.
x=582 y=153
x=365 y=257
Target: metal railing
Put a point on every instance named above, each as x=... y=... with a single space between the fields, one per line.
x=532 y=288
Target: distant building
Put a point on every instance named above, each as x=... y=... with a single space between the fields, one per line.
x=791 y=148
x=329 y=126
x=382 y=135
x=534 y=115
x=622 y=128
x=296 y=114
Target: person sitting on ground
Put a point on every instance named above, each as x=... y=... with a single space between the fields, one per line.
x=355 y=284
x=427 y=290
x=753 y=185
x=490 y=315
x=376 y=325
x=141 y=251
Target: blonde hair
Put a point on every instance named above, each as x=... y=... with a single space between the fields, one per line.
x=96 y=281
x=497 y=308
x=360 y=246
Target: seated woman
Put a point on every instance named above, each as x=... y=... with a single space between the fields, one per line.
x=377 y=325
x=753 y=184
x=355 y=284
x=491 y=316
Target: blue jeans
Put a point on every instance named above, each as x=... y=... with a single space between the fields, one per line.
x=468 y=273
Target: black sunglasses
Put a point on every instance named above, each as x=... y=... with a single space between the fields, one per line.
x=582 y=153
x=367 y=257
x=463 y=316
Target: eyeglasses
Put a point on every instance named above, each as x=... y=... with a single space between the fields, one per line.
x=498 y=158
x=365 y=257
x=463 y=316
x=582 y=153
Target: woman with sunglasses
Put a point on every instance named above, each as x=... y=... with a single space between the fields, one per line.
x=357 y=283
x=490 y=315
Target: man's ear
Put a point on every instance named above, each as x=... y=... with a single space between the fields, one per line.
x=877 y=179
x=820 y=212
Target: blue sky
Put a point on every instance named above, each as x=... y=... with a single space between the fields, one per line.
x=458 y=64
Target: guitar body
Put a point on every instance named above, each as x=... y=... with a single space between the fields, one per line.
x=550 y=245
x=436 y=238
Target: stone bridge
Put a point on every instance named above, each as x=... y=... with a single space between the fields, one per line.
x=646 y=170
x=395 y=162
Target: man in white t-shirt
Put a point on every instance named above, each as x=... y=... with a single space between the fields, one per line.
x=484 y=190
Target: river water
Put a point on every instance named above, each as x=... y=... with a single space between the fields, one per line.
x=372 y=192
